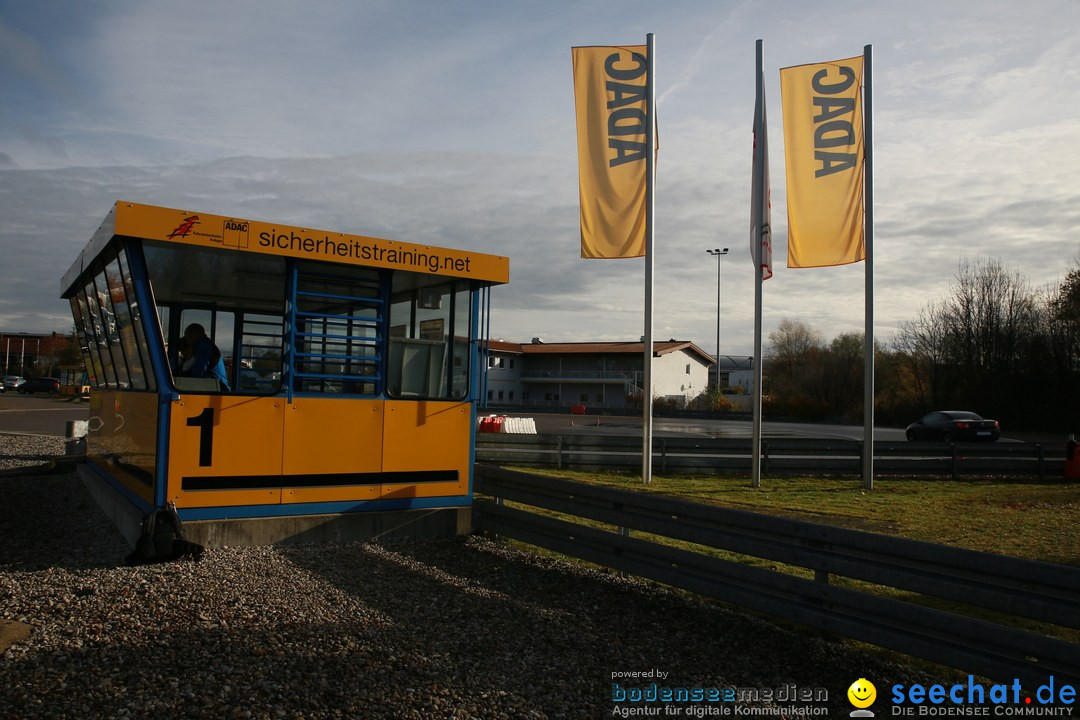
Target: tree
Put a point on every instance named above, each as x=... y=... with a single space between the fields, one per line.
x=792 y=343
x=997 y=346
x=922 y=344
x=840 y=383
x=56 y=350
x=794 y=368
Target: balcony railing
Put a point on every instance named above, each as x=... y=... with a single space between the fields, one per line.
x=607 y=376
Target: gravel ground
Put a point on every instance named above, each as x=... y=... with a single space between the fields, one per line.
x=454 y=628
x=20 y=451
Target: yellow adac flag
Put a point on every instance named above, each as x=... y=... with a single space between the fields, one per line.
x=612 y=126
x=824 y=160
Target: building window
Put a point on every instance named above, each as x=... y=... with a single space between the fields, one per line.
x=491 y=362
x=511 y=394
x=511 y=363
x=599 y=397
x=584 y=397
x=525 y=395
x=500 y=394
x=687 y=368
x=491 y=395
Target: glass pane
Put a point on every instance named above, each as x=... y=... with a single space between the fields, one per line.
x=429 y=338
x=85 y=338
x=163 y=322
x=218 y=290
x=185 y=357
x=337 y=321
x=101 y=339
x=223 y=333
x=260 y=353
x=137 y=322
x=112 y=328
x=128 y=346
x=459 y=371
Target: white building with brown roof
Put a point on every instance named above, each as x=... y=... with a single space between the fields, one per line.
x=593 y=374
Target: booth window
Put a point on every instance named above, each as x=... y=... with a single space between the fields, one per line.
x=335 y=319
x=109 y=325
x=85 y=327
x=135 y=323
x=238 y=298
x=429 y=338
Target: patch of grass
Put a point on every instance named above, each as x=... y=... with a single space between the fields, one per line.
x=1020 y=518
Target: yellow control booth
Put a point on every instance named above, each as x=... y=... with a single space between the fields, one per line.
x=336 y=397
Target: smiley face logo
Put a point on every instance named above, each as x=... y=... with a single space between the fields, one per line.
x=862 y=693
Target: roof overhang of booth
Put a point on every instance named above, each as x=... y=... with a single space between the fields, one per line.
x=243 y=235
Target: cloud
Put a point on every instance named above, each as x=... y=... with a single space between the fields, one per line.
x=452 y=124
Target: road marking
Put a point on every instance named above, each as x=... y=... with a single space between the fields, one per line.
x=37 y=410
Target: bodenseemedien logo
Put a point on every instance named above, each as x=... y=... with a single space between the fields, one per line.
x=862 y=694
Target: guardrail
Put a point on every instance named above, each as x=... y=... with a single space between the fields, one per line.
x=1041 y=591
x=780 y=456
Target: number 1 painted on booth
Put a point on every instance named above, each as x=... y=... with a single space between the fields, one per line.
x=205 y=422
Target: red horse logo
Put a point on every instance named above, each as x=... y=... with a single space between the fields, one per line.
x=184 y=229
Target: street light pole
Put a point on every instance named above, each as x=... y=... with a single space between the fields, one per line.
x=719 y=253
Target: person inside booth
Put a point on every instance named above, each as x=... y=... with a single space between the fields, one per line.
x=201 y=357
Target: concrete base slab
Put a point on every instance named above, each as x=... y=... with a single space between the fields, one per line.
x=295 y=529
x=345 y=527
x=125 y=516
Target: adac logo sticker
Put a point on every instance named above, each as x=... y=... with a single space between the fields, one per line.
x=184 y=229
x=235 y=233
x=862 y=694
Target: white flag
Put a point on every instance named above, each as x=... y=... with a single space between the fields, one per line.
x=760 y=196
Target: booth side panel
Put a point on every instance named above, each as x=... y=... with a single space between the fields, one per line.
x=122 y=438
x=225 y=450
x=331 y=437
x=427 y=437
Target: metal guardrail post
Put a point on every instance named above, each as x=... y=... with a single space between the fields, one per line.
x=558 y=451
x=624 y=532
x=499 y=502
x=663 y=455
x=764 y=457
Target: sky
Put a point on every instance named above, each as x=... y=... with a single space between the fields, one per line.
x=451 y=123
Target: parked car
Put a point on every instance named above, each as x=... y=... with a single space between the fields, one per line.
x=953 y=425
x=41 y=384
x=12 y=382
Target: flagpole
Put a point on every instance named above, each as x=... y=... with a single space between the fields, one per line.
x=650 y=200
x=759 y=191
x=868 y=198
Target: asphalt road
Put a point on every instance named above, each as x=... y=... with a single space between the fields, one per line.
x=691 y=427
x=45 y=415
x=38 y=414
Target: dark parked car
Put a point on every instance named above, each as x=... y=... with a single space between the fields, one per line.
x=954 y=425
x=43 y=384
